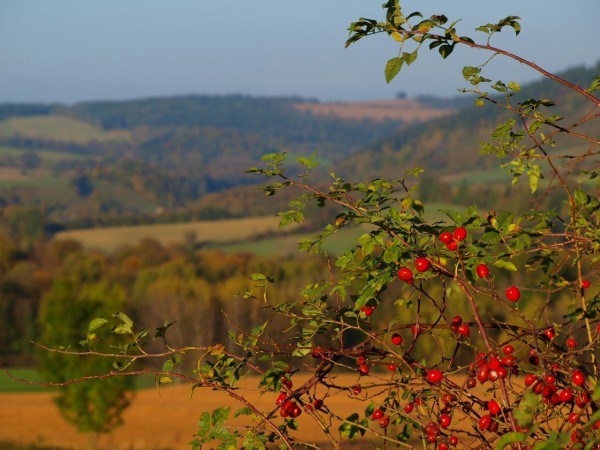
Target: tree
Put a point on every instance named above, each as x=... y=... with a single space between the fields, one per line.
x=79 y=294
x=493 y=339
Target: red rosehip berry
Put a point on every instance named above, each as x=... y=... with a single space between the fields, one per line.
x=549 y=333
x=452 y=245
x=483 y=373
x=409 y=407
x=422 y=264
x=571 y=343
x=578 y=378
x=530 y=379
x=396 y=339
x=482 y=271
x=513 y=293
x=573 y=418
x=459 y=234
x=377 y=414
x=384 y=421
x=445 y=420
x=446 y=237
x=405 y=274
x=363 y=369
x=368 y=310
x=281 y=399
x=453 y=440
x=464 y=330
x=443 y=446
x=494 y=407
x=566 y=395
x=391 y=367
x=434 y=376
x=356 y=389
x=508 y=349
x=585 y=284
x=484 y=422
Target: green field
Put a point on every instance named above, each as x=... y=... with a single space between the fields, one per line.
x=58 y=128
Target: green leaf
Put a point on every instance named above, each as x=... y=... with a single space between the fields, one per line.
x=124 y=318
x=122 y=329
x=96 y=323
x=392 y=68
x=510 y=438
x=165 y=380
x=446 y=50
x=528 y=409
x=513 y=86
x=505 y=265
x=220 y=415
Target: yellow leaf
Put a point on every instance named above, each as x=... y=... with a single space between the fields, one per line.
x=397 y=36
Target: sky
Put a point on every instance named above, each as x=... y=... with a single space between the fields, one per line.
x=68 y=51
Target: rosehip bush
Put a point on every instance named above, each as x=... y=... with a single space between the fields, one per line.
x=480 y=331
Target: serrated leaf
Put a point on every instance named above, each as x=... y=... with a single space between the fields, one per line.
x=392 y=68
x=96 y=323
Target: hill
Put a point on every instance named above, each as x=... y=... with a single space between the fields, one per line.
x=99 y=162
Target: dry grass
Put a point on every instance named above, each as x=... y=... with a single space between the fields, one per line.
x=379 y=110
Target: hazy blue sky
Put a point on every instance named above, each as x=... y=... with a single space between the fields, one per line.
x=73 y=50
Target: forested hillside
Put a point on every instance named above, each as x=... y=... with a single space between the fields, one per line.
x=126 y=161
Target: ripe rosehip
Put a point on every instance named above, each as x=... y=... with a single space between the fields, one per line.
x=446 y=237
x=566 y=395
x=384 y=421
x=396 y=339
x=484 y=422
x=494 y=363
x=445 y=420
x=434 y=376
x=296 y=411
x=508 y=361
x=578 y=378
x=494 y=407
x=377 y=414
x=281 y=399
x=508 y=349
x=356 y=389
x=483 y=373
x=573 y=418
x=361 y=360
x=582 y=400
x=459 y=234
x=422 y=264
x=550 y=379
x=317 y=403
x=513 y=293
x=549 y=333
x=585 y=284
x=530 y=379
x=453 y=440
x=571 y=343
x=368 y=310
x=443 y=446
x=464 y=330
x=363 y=369
x=409 y=407
x=502 y=372
x=405 y=274
x=482 y=271
x=391 y=367
x=452 y=245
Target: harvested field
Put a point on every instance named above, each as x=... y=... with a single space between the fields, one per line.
x=378 y=110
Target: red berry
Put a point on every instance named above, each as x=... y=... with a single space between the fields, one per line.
x=384 y=421
x=585 y=284
x=396 y=339
x=571 y=343
x=368 y=310
x=530 y=379
x=549 y=333
x=502 y=373
x=513 y=294
x=452 y=245
x=281 y=399
x=434 y=376
x=573 y=418
x=485 y=422
x=508 y=361
x=416 y=329
x=493 y=407
x=550 y=379
x=453 y=440
x=483 y=373
x=405 y=274
x=459 y=234
x=356 y=389
x=442 y=446
x=446 y=237
x=566 y=395
x=377 y=414
x=445 y=420
x=422 y=264
x=409 y=407
x=317 y=403
x=464 y=330
x=363 y=369
x=482 y=271
x=391 y=367
x=582 y=400
x=578 y=378
x=296 y=411
x=508 y=349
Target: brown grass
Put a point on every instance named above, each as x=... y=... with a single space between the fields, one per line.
x=379 y=110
